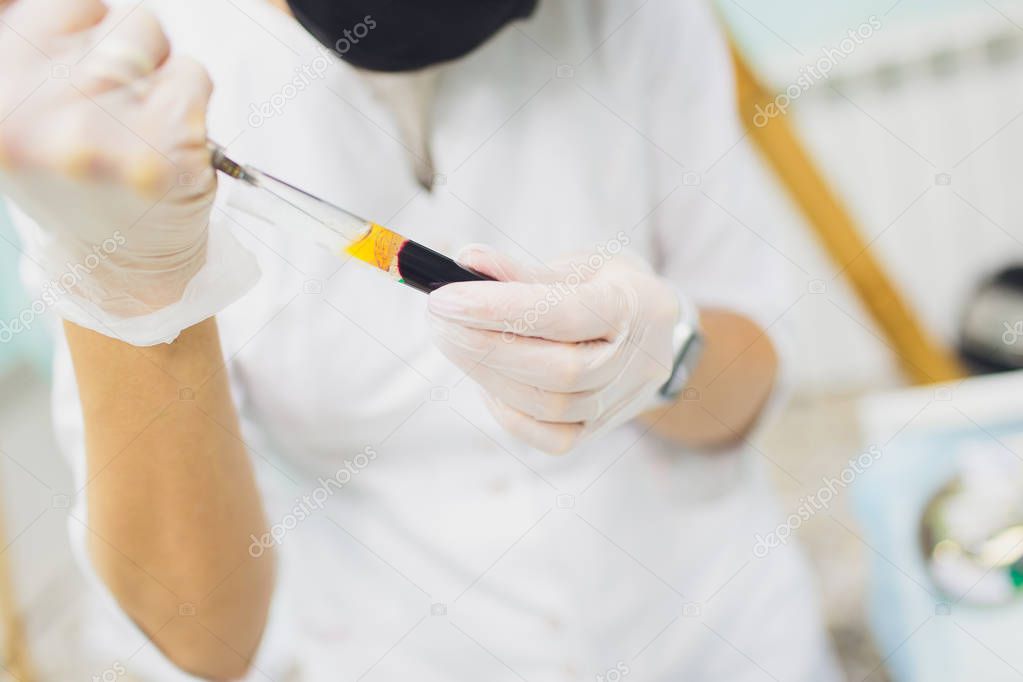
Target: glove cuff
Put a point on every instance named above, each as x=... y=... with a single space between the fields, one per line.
x=229 y=271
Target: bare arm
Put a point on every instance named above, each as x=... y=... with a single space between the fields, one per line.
x=172 y=501
x=732 y=382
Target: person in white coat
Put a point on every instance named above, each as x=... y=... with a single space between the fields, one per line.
x=290 y=467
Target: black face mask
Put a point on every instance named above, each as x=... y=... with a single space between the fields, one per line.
x=405 y=35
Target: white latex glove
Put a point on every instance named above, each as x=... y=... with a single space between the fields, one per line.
x=563 y=352
x=103 y=146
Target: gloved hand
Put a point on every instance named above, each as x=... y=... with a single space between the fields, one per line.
x=563 y=352
x=103 y=145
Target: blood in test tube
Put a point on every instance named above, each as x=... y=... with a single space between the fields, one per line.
x=409 y=262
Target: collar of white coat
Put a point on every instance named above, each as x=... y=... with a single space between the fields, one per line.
x=410 y=96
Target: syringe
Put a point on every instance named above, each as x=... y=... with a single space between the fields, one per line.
x=341 y=232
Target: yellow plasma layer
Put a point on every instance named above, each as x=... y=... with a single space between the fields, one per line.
x=379 y=248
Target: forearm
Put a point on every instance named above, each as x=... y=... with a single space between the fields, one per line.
x=172 y=502
x=729 y=386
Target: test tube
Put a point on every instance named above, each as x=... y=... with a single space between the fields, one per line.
x=340 y=231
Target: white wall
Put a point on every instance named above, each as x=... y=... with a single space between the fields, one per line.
x=916 y=100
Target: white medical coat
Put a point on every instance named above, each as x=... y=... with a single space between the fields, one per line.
x=454 y=552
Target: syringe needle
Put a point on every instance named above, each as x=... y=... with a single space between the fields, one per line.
x=342 y=232
x=223 y=163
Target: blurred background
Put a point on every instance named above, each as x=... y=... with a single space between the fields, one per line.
x=912 y=138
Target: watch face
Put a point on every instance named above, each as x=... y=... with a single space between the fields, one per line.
x=690 y=343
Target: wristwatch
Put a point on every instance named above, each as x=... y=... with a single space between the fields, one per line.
x=687 y=341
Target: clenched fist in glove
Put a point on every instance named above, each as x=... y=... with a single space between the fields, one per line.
x=562 y=352
x=103 y=147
